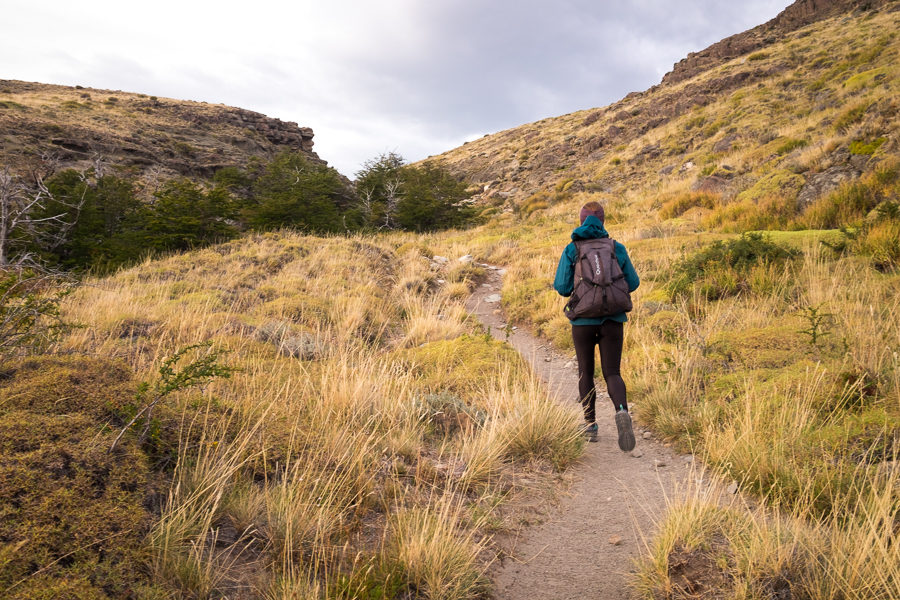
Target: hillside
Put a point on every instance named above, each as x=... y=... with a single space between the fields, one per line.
x=800 y=113
x=149 y=136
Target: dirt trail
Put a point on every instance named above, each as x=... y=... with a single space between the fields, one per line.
x=575 y=552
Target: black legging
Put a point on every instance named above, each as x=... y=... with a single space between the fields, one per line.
x=609 y=337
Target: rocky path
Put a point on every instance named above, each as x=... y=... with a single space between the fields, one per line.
x=585 y=546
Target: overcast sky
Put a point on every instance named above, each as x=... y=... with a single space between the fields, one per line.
x=416 y=77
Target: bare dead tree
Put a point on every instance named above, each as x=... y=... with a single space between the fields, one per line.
x=24 y=215
x=392 y=194
x=366 y=197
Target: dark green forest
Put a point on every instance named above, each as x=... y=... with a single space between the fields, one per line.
x=110 y=219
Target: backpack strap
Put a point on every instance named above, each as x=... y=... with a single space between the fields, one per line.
x=577 y=274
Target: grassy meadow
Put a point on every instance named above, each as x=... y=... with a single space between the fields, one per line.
x=766 y=330
x=364 y=446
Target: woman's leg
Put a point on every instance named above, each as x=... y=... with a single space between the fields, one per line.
x=611 y=338
x=585 y=339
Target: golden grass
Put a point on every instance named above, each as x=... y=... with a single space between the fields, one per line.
x=321 y=467
x=737 y=381
x=440 y=560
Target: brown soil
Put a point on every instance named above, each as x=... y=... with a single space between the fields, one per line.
x=586 y=544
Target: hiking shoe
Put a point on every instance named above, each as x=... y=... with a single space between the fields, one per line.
x=590 y=432
x=626 y=434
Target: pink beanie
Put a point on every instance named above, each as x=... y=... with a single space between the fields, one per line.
x=586 y=212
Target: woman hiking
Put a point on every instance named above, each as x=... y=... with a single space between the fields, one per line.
x=599 y=328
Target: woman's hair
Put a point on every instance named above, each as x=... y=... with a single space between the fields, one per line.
x=591 y=208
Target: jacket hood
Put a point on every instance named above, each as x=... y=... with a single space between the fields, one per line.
x=591 y=229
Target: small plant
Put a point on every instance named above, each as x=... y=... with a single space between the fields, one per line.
x=818 y=322
x=789 y=145
x=195 y=373
x=29 y=311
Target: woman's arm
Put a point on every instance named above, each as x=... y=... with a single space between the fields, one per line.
x=563 y=283
x=631 y=276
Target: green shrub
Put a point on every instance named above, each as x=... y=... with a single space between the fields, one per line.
x=723 y=268
x=866 y=148
x=789 y=145
x=29 y=311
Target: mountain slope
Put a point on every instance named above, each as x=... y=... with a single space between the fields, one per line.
x=828 y=89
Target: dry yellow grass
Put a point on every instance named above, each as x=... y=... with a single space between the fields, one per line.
x=367 y=415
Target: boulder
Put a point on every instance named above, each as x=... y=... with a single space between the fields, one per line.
x=820 y=184
x=296 y=344
x=725 y=144
x=712 y=184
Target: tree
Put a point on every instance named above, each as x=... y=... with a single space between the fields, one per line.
x=184 y=216
x=379 y=186
x=395 y=195
x=110 y=217
x=432 y=199
x=294 y=192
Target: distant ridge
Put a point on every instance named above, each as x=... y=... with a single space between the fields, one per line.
x=799 y=14
x=136 y=132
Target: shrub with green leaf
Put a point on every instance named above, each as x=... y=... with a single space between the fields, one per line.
x=29 y=311
x=723 y=268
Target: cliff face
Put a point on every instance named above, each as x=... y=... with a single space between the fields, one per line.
x=139 y=133
x=796 y=16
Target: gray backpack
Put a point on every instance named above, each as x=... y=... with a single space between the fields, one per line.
x=600 y=287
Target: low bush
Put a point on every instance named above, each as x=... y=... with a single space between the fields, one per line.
x=722 y=269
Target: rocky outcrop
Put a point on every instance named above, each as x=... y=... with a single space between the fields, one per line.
x=276 y=131
x=799 y=14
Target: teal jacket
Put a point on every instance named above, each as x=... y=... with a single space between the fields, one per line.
x=564 y=283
